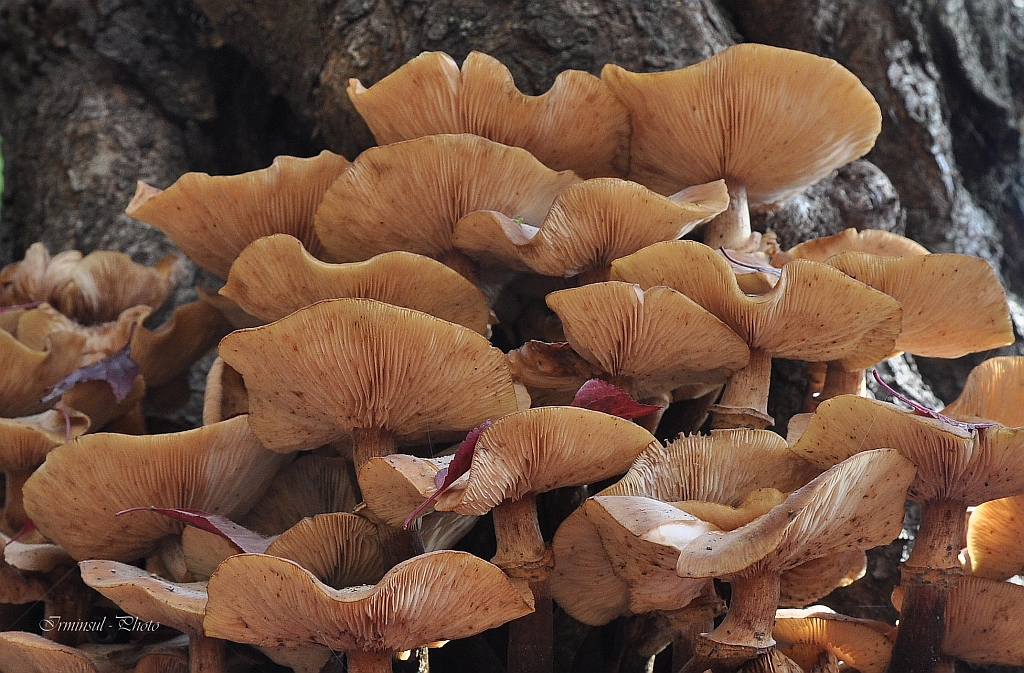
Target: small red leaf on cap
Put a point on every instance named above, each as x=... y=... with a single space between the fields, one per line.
x=244 y=540
x=598 y=395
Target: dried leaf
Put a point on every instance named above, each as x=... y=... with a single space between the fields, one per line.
x=244 y=540
x=117 y=369
x=598 y=395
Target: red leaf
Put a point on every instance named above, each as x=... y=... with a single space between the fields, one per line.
x=461 y=462
x=244 y=540
x=921 y=410
x=598 y=395
x=29 y=526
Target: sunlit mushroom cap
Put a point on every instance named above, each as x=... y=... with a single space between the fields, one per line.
x=275 y=276
x=408 y=196
x=656 y=339
x=772 y=119
x=26 y=374
x=24 y=442
x=994 y=533
x=994 y=391
x=73 y=497
x=953 y=463
x=857 y=504
x=148 y=597
x=604 y=570
x=31 y=653
x=813 y=313
x=578 y=124
x=926 y=287
x=872 y=241
x=590 y=225
x=541 y=449
x=860 y=643
x=444 y=595
x=345 y=364
x=212 y=218
x=90 y=289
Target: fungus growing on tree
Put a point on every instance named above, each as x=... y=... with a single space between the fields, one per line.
x=770 y=122
x=578 y=124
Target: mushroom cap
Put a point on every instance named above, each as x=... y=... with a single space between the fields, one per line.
x=578 y=124
x=860 y=643
x=148 y=597
x=926 y=286
x=30 y=653
x=409 y=195
x=275 y=276
x=27 y=373
x=393 y=486
x=872 y=241
x=340 y=549
x=309 y=485
x=345 y=364
x=541 y=449
x=857 y=504
x=994 y=533
x=220 y=469
x=24 y=442
x=224 y=396
x=772 y=119
x=723 y=467
x=605 y=569
x=170 y=349
x=551 y=372
x=212 y=218
x=658 y=339
x=811 y=581
x=983 y=621
x=91 y=289
x=994 y=391
x=952 y=463
x=100 y=340
x=590 y=224
x=39 y=557
x=437 y=596
x=813 y=313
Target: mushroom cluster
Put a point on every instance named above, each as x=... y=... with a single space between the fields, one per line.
x=506 y=276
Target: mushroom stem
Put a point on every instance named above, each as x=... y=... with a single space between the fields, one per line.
x=14 y=508
x=205 y=655
x=931 y=572
x=816 y=373
x=522 y=554
x=744 y=403
x=730 y=229
x=368 y=662
x=839 y=381
x=398 y=545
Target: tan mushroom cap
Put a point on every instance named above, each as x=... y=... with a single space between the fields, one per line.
x=983 y=621
x=590 y=225
x=29 y=653
x=723 y=467
x=275 y=276
x=994 y=533
x=148 y=597
x=605 y=569
x=26 y=374
x=92 y=289
x=541 y=449
x=926 y=287
x=340 y=549
x=224 y=396
x=170 y=349
x=309 y=485
x=551 y=372
x=799 y=318
x=346 y=364
x=651 y=340
x=283 y=604
x=409 y=195
x=772 y=119
x=212 y=218
x=952 y=463
x=859 y=643
x=25 y=441
x=41 y=557
x=871 y=241
x=96 y=400
x=578 y=124
x=726 y=517
x=100 y=340
x=72 y=498
x=994 y=391
x=857 y=504
x=811 y=581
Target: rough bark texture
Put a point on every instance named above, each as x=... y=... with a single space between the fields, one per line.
x=95 y=94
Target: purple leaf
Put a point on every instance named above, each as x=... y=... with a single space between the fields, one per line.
x=598 y=395
x=118 y=370
x=15 y=307
x=757 y=267
x=921 y=410
x=243 y=539
x=445 y=477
